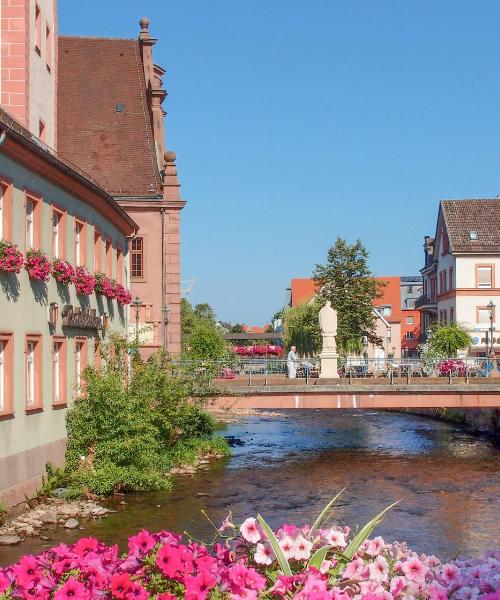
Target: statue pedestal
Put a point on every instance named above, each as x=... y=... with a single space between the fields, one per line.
x=329 y=368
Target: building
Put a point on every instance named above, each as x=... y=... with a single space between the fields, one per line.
x=110 y=123
x=48 y=332
x=397 y=322
x=50 y=210
x=461 y=263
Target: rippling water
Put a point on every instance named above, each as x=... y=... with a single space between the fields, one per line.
x=289 y=467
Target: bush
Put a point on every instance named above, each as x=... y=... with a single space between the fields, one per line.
x=127 y=435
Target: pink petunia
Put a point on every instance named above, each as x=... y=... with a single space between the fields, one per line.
x=415 y=570
x=27 y=572
x=72 y=590
x=250 y=530
x=121 y=585
x=168 y=560
x=143 y=542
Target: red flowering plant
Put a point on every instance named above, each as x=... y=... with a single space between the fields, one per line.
x=105 y=286
x=62 y=271
x=84 y=281
x=123 y=296
x=11 y=258
x=38 y=265
x=258 y=350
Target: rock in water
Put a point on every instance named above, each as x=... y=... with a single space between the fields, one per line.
x=71 y=524
x=9 y=540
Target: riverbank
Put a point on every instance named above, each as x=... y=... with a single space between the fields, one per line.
x=484 y=421
x=226 y=415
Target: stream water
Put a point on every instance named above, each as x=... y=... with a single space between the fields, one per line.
x=287 y=468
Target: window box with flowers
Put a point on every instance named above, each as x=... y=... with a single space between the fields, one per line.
x=105 y=286
x=84 y=282
x=62 y=271
x=38 y=265
x=11 y=258
x=123 y=296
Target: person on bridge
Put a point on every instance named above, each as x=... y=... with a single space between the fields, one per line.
x=291 y=363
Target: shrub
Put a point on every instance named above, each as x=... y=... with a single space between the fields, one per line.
x=127 y=435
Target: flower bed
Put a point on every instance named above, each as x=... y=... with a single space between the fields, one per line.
x=37 y=264
x=455 y=367
x=11 y=258
x=253 y=351
x=104 y=286
x=84 y=281
x=62 y=271
x=250 y=562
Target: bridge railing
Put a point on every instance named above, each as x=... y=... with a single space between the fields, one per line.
x=273 y=371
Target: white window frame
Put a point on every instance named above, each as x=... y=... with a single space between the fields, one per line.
x=30 y=373
x=30 y=223
x=487 y=312
x=485 y=285
x=1 y=211
x=56 y=360
x=2 y=376
x=78 y=244
x=78 y=364
x=56 y=220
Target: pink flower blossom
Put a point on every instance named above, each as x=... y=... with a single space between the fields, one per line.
x=11 y=258
x=264 y=554
x=375 y=546
x=37 y=264
x=72 y=590
x=143 y=542
x=415 y=570
x=250 y=530
x=302 y=548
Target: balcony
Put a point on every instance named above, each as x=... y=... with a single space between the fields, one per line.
x=426 y=303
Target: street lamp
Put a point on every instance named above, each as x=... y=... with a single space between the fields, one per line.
x=137 y=303
x=166 y=312
x=491 y=308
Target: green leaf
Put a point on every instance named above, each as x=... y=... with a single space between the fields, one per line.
x=361 y=536
x=324 y=512
x=285 y=567
x=318 y=557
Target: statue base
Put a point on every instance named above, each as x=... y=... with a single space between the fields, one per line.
x=329 y=368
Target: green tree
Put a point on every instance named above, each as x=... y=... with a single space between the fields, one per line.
x=204 y=312
x=206 y=342
x=301 y=328
x=188 y=319
x=237 y=328
x=446 y=340
x=348 y=283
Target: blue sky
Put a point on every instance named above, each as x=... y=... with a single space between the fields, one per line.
x=296 y=122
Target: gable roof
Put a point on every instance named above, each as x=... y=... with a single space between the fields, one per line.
x=479 y=215
x=95 y=76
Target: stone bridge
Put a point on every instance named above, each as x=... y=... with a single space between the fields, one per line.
x=369 y=395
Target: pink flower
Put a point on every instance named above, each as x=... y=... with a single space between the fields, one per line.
x=288 y=546
x=250 y=531
x=168 y=561
x=355 y=569
x=84 y=282
x=379 y=569
x=335 y=538
x=143 y=542
x=4 y=582
x=62 y=271
x=197 y=588
x=375 y=546
x=37 y=264
x=72 y=590
x=121 y=585
x=137 y=593
x=85 y=545
x=27 y=572
x=450 y=573
x=11 y=258
x=415 y=570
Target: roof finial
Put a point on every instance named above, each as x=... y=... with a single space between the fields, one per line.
x=144 y=23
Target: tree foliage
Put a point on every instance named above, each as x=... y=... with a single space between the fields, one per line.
x=201 y=335
x=348 y=283
x=301 y=328
x=446 y=340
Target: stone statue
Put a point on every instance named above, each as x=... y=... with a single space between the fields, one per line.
x=328 y=326
x=328 y=356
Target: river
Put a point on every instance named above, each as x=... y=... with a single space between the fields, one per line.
x=287 y=468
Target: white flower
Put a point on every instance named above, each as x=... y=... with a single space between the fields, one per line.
x=302 y=548
x=288 y=546
x=250 y=531
x=263 y=554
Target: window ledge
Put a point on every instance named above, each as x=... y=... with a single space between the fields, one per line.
x=59 y=405
x=33 y=410
x=7 y=415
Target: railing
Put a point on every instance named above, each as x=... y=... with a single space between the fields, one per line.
x=424 y=301
x=246 y=371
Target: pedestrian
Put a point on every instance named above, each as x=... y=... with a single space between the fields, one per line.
x=290 y=363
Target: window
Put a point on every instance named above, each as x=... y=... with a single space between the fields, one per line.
x=484 y=276
x=38 y=29
x=385 y=311
x=48 y=48
x=30 y=223
x=33 y=372
x=41 y=131
x=97 y=252
x=410 y=289
x=483 y=315
x=409 y=335
x=410 y=320
x=452 y=315
x=450 y=278
x=80 y=362
x=59 y=371
x=446 y=243
x=5 y=373
x=58 y=234
x=119 y=266
x=108 y=259
x=80 y=243
x=137 y=269
x=2 y=193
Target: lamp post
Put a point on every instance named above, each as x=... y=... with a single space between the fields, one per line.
x=491 y=308
x=137 y=303
x=166 y=312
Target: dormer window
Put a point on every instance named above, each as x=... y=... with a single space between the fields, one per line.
x=473 y=234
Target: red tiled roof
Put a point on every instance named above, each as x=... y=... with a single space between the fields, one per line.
x=482 y=216
x=117 y=148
